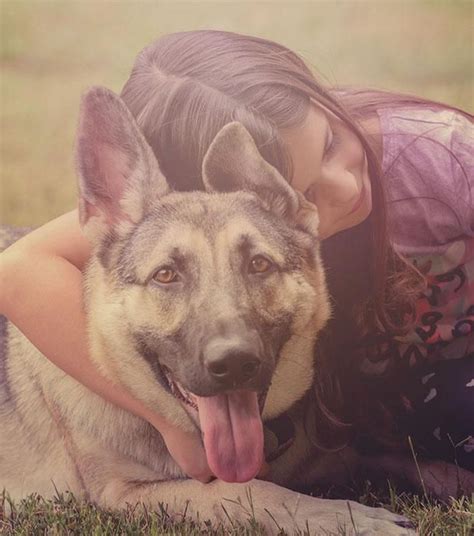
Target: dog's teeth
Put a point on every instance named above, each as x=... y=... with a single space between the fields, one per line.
x=178 y=391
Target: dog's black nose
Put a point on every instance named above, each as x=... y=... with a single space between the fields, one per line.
x=234 y=368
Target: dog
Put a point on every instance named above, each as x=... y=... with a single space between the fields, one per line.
x=206 y=306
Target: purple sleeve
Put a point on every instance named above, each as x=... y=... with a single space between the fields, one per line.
x=428 y=169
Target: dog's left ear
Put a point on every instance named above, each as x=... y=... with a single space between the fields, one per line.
x=233 y=162
x=119 y=176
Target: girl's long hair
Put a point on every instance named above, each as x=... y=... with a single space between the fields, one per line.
x=186 y=86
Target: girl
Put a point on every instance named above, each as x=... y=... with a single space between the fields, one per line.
x=392 y=178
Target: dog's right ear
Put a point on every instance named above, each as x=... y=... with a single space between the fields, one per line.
x=119 y=176
x=233 y=162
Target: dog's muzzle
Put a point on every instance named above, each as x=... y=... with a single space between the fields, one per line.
x=187 y=398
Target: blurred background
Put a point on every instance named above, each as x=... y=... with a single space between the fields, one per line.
x=51 y=51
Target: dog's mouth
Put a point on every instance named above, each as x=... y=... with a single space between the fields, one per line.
x=189 y=399
x=231 y=427
x=178 y=391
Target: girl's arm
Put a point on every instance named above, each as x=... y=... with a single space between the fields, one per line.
x=41 y=293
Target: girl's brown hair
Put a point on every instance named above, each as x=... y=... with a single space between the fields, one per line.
x=186 y=86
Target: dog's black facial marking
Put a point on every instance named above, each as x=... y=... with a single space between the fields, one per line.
x=180 y=259
x=143 y=240
x=305 y=247
x=104 y=253
x=183 y=355
x=276 y=333
x=151 y=356
x=294 y=245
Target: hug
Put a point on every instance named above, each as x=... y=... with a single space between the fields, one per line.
x=252 y=251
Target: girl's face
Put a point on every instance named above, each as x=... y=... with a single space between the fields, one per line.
x=330 y=169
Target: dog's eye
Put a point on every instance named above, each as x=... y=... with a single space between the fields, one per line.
x=165 y=275
x=259 y=265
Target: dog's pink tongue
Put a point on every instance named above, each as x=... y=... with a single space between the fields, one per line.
x=233 y=434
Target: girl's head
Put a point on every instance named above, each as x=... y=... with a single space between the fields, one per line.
x=186 y=86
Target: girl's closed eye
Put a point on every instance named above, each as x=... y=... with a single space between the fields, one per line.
x=332 y=144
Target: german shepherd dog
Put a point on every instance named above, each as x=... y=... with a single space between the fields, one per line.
x=205 y=305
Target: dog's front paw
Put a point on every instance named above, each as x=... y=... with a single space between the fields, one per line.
x=376 y=521
x=320 y=516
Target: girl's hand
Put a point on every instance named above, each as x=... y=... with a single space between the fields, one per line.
x=42 y=289
x=186 y=450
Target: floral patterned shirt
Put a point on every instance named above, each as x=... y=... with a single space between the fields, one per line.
x=428 y=165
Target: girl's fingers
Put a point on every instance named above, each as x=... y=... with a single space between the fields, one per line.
x=264 y=472
x=188 y=452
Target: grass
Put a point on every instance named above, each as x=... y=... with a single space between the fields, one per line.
x=66 y=515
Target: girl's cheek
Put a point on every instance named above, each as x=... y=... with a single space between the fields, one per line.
x=354 y=152
x=340 y=191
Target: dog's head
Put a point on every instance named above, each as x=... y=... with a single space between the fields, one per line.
x=204 y=304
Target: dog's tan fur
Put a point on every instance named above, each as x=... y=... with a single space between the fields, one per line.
x=58 y=435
